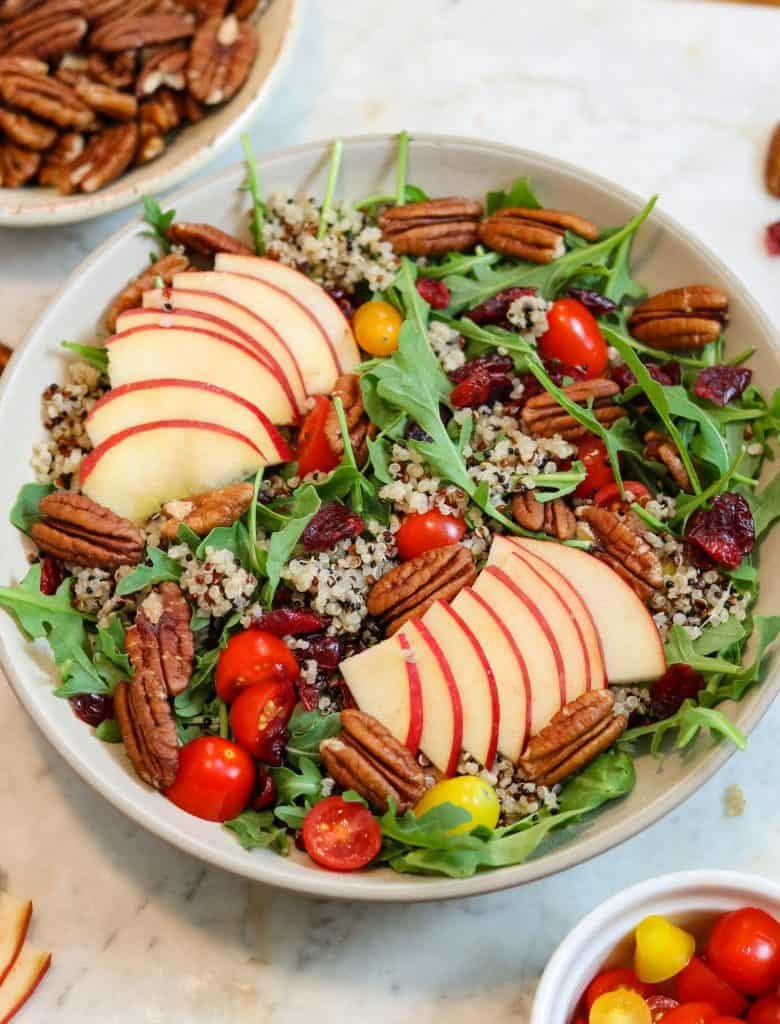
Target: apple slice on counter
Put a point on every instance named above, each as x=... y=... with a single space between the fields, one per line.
x=132 y=405
x=630 y=641
x=269 y=342
x=22 y=980
x=152 y=353
x=15 y=917
x=305 y=336
x=474 y=679
x=321 y=306
x=137 y=470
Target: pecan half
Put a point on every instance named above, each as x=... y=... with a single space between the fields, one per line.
x=553 y=517
x=366 y=757
x=13 y=8
x=206 y=240
x=347 y=388
x=148 y=729
x=47 y=31
x=202 y=512
x=65 y=151
x=166 y=68
x=580 y=731
x=130 y=296
x=689 y=317
x=408 y=590
x=116 y=70
x=220 y=59
x=17 y=165
x=47 y=98
x=26 y=131
x=161 y=640
x=658 y=446
x=772 y=165
x=432 y=227
x=543 y=417
x=134 y=31
x=106 y=155
x=76 y=529
x=535 y=235
x=624 y=550
x=120 y=106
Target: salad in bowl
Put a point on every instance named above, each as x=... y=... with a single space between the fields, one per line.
x=395 y=528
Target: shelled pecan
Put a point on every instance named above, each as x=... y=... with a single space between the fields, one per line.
x=408 y=590
x=206 y=240
x=432 y=227
x=26 y=131
x=222 y=53
x=130 y=296
x=543 y=417
x=659 y=447
x=46 y=98
x=148 y=729
x=166 y=67
x=624 y=550
x=553 y=517
x=366 y=757
x=772 y=165
x=347 y=388
x=56 y=162
x=104 y=99
x=535 y=235
x=576 y=735
x=134 y=31
x=203 y=512
x=689 y=317
x=17 y=165
x=161 y=640
x=76 y=529
x=105 y=156
x=46 y=32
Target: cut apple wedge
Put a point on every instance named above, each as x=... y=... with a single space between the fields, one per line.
x=385 y=682
x=305 y=337
x=630 y=641
x=132 y=405
x=151 y=353
x=15 y=917
x=137 y=470
x=308 y=292
x=22 y=980
x=474 y=679
x=270 y=344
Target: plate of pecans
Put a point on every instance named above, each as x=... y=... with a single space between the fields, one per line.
x=102 y=102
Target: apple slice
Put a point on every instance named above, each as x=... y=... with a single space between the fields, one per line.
x=630 y=641
x=137 y=470
x=266 y=339
x=508 y=667
x=21 y=981
x=473 y=677
x=304 y=335
x=152 y=353
x=442 y=714
x=201 y=321
x=15 y=917
x=385 y=683
x=132 y=405
x=308 y=292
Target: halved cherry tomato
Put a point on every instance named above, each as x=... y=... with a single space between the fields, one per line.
x=699 y=983
x=341 y=835
x=620 y=1007
x=727 y=1020
x=660 y=1006
x=691 y=1013
x=422 y=531
x=608 y=496
x=253 y=656
x=313 y=451
x=593 y=455
x=259 y=718
x=744 y=950
x=215 y=779
x=612 y=980
x=573 y=337
x=765 y=1011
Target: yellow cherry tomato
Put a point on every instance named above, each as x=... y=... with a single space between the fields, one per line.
x=662 y=949
x=620 y=1007
x=376 y=326
x=472 y=794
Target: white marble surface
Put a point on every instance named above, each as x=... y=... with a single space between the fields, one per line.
x=668 y=97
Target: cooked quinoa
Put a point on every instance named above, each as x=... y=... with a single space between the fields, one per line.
x=516 y=796
x=218 y=585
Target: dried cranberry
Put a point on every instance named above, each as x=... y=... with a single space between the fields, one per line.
x=53 y=572
x=773 y=239
x=93 y=708
x=330 y=524
x=327 y=651
x=724 y=533
x=668 y=374
x=414 y=432
x=598 y=305
x=265 y=790
x=481 y=381
x=558 y=372
x=290 y=622
x=345 y=695
x=309 y=693
x=344 y=300
x=721 y=384
x=283 y=596
x=678 y=684
x=493 y=312
x=435 y=293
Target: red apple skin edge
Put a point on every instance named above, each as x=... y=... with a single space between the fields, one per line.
x=33 y=984
x=23 y=925
x=457 y=710
x=412 y=741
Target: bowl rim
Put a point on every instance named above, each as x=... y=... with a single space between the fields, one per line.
x=362 y=886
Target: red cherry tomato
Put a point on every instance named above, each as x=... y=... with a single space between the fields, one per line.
x=660 y=1006
x=608 y=496
x=765 y=1011
x=341 y=835
x=744 y=950
x=691 y=1013
x=422 y=531
x=610 y=981
x=253 y=656
x=313 y=452
x=727 y=1020
x=259 y=718
x=215 y=779
x=593 y=455
x=574 y=338
x=699 y=983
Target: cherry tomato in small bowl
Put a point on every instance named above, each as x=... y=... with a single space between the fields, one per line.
x=765 y=1011
x=341 y=835
x=259 y=718
x=744 y=950
x=609 y=497
x=699 y=983
x=251 y=657
x=423 y=531
x=215 y=779
x=691 y=1013
x=623 y=1006
x=592 y=453
x=573 y=337
x=313 y=452
x=377 y=326
x=660 y=1005
x=614 y=979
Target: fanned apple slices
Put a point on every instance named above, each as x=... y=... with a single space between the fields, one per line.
x=21 y=968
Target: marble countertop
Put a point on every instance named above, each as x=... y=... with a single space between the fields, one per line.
x=670 y=97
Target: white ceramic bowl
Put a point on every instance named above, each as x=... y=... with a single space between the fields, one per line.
x=192 y=148
x=665 y=255
x=693 y=899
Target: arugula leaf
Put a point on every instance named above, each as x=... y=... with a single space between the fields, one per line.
x=24 y=512
x=347 y=479
x=163 y=568
x=680 y=648
x=520 y=193
x=257 y=555
x=765 y=505
x=291 y=785
x=287 y=532
x=734 y=688
x=234 y=539
x=192 y=702
x=549 y=486
x=95 y=355
x=460 y=263
x=108 y=731
x=687 y=503
x=158 y=221
x=619 y=284
x=252 y=185
x=709 y=445
x=108 y=654
x=688 y=722
x=610 y=776
x=291 y=814
x=307 y=730
x=336 y=153
x=257 y=830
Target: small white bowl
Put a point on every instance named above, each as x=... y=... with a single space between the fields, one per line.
x=692 y=899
